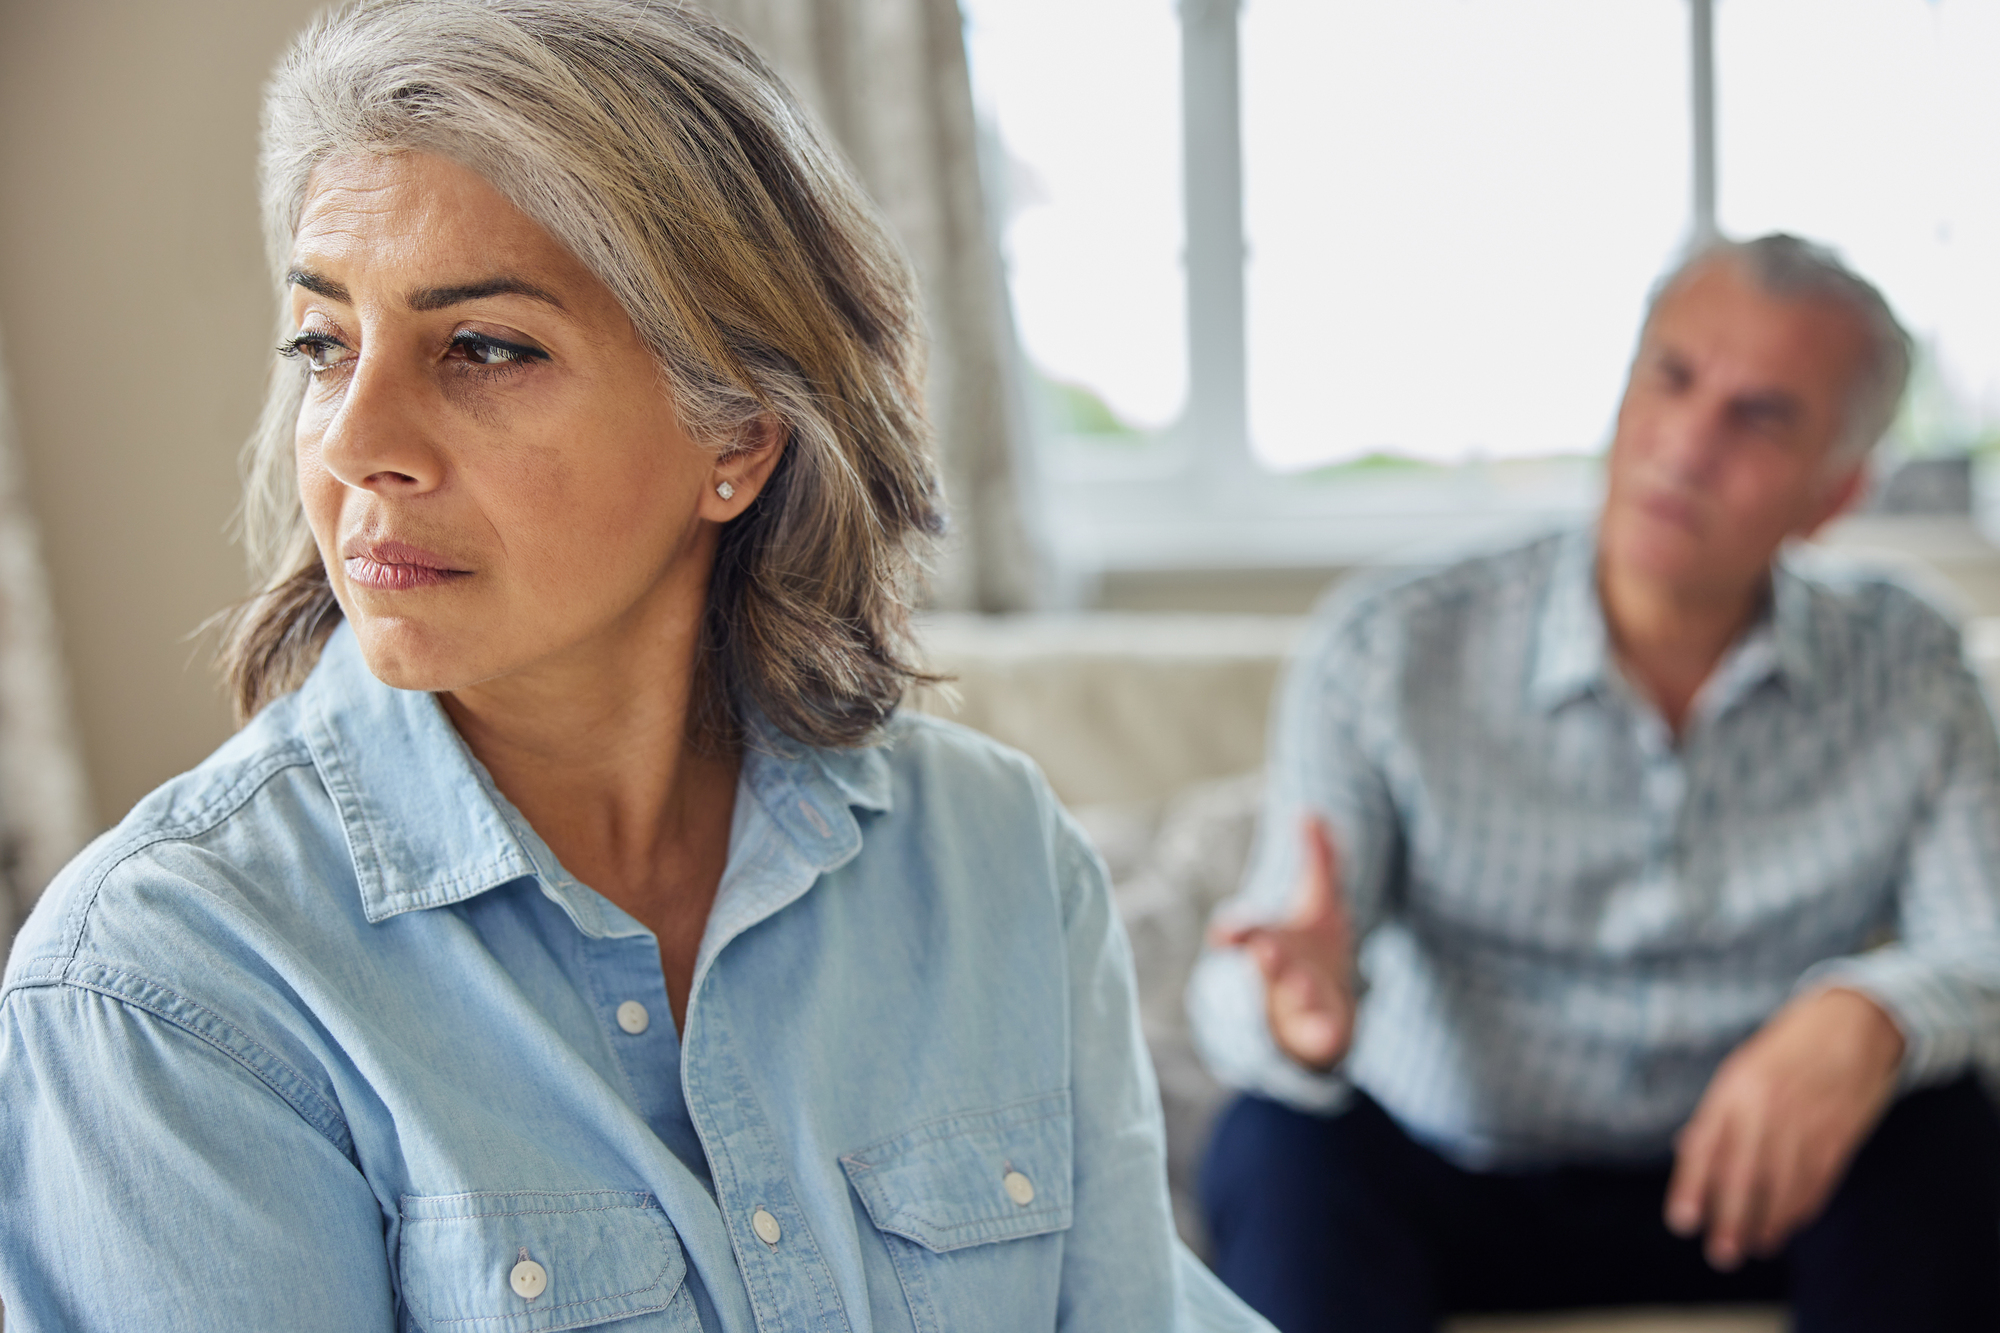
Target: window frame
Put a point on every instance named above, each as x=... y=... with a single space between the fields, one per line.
x=1197 y=498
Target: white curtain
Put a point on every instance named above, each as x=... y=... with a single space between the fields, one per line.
x=44 y=801
x=888 y=79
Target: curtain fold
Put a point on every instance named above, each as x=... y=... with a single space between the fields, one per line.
x=888 y=79
x=45 y=807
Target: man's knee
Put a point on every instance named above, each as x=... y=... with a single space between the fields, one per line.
x=1936 y=1149
x=1914 y=1228
x=1266 y=1155
x=1307 y=1223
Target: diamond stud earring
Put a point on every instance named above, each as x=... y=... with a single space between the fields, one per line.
x=724 y=489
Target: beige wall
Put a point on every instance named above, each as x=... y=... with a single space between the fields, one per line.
x=137 y=325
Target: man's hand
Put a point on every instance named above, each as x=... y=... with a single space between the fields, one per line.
x=1780 y=1122
x=1307 y=960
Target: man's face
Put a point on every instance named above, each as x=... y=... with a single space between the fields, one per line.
x=1726 y=434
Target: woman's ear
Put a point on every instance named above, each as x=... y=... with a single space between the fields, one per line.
x=740 y=472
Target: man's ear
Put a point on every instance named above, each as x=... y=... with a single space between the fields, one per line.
x=740 y=472
x=1841 y=494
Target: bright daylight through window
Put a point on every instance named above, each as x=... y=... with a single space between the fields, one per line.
x=1875 y=124
x=1451 y=212
x=1086 y=101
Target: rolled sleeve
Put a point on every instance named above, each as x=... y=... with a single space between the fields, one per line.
x=1940 y=978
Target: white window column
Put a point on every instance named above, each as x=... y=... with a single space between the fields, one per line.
x=1216 y=423
x=1701 y=67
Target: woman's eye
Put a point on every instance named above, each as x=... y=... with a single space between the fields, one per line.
x=482 y=350
x=318 y=350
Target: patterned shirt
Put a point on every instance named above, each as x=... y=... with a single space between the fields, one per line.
x=1568 y=917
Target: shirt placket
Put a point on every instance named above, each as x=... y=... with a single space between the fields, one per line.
x=1651 y=905
x=637 y=1017
x=1664 y=780
x=790 y=1283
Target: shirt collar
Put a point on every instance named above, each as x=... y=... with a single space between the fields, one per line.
x=426 y=827
x=811 y=796
x=1572 y=645
x=1792 y=627
x=1572 y=648
x=1777 y=646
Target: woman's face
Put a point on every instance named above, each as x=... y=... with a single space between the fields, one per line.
x=487 y=453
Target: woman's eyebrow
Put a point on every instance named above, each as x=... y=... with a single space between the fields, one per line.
x=430 y=298
x=437 y=298
x=319 y=286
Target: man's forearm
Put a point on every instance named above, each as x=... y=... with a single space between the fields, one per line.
x=1945 y=1007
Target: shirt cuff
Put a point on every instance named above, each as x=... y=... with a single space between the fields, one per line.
x=1938 y=1038
x=1233 y=1038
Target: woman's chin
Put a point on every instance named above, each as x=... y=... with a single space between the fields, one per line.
x=406 y=656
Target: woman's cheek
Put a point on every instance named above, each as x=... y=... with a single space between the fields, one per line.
x=319 y=490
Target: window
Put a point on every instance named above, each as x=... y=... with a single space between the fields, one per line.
x=1874 y=125
x=1307 y=280
x=1084 y=100
x=1453 y=210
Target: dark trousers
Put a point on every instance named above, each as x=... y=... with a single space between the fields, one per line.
x=1345 y=1223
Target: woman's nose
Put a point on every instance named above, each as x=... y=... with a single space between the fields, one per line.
x=379 y=437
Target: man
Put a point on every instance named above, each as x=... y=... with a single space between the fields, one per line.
x=1629 y=903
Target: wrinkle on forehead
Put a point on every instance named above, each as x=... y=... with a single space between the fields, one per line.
x=385 y=221
x=367 y=183
x=435 y=228
x=404 y=234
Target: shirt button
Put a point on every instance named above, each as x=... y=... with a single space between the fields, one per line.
x=766 y=1226
x=529 y=1279
x=632 y=1016
x=1019 y=1188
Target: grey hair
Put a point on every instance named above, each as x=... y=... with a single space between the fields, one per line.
x=665 y=154
x=1794 y=269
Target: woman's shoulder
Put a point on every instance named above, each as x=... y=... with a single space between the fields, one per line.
x=948 y=770
x=942 y=750
x=950 y=786
x=216 y=853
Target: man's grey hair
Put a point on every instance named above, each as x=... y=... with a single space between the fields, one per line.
x=1794 y=269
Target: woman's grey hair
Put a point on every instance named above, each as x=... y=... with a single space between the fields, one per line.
x=1794 y=269
x=671 y=161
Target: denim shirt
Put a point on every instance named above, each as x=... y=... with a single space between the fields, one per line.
x=323 y=1037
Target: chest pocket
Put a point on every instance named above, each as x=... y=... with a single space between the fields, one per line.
x=536 y=1261
x=947 y=1193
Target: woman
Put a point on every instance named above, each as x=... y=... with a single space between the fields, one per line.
x=575 y=934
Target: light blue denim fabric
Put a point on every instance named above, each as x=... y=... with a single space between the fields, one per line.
x=322 y=1037
x=1569 y=917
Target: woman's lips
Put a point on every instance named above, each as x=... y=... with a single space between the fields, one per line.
x=389 y=566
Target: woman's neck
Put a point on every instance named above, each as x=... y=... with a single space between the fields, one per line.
x=602 y=754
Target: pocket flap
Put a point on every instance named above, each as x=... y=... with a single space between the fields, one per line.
x=602 y=1255
x=972 y=1178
